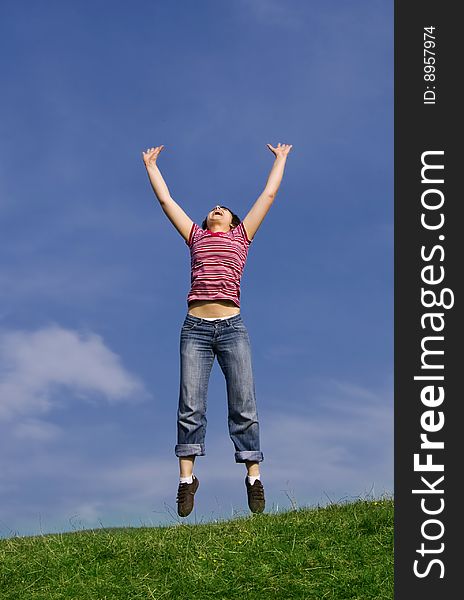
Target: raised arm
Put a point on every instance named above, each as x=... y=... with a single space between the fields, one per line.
x=259 y=209
x=181 y=221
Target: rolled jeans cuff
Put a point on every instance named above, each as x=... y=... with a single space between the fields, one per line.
x=189 y=449
x=251 y=455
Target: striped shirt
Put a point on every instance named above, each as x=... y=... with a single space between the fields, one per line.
x=217 y=263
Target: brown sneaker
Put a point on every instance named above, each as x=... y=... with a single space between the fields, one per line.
x=185 y=494
x=255 y=495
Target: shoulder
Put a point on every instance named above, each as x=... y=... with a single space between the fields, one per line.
x=240 y=233
x=196 y=232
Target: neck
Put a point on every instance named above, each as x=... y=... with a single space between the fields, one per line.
x=215 y=227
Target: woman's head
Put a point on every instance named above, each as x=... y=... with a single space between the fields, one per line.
x=221 y=215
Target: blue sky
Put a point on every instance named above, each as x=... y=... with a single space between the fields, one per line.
x=94 y=278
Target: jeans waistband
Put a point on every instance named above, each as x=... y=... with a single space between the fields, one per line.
x=194 y=319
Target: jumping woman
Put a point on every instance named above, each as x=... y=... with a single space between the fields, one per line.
x=213 y=327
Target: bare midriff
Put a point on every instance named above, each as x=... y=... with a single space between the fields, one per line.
x=209 y=310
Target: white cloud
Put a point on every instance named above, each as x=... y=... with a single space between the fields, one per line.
x=36 y=364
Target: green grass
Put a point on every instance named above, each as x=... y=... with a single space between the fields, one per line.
x=342 y=551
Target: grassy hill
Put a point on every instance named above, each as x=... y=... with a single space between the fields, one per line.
x=343 y=552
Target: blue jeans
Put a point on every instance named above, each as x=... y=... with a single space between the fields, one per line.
x=200 y=342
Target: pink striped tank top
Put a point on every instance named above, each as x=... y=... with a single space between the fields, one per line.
x=217 y=263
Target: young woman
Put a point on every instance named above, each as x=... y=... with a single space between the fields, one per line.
x=213 y=327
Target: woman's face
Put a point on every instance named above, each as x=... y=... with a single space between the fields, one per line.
x=219 y=215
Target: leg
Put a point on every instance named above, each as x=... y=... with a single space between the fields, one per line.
x=197 y=359
x=186 y=465
x=252 y=468
x=234 y=357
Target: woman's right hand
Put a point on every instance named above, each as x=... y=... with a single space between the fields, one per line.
x=151 y=155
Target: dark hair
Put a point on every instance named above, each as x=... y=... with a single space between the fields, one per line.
x=235 y=219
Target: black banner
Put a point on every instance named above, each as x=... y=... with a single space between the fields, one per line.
x=428 y=300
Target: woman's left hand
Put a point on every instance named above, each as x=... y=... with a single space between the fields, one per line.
x=280 y=150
